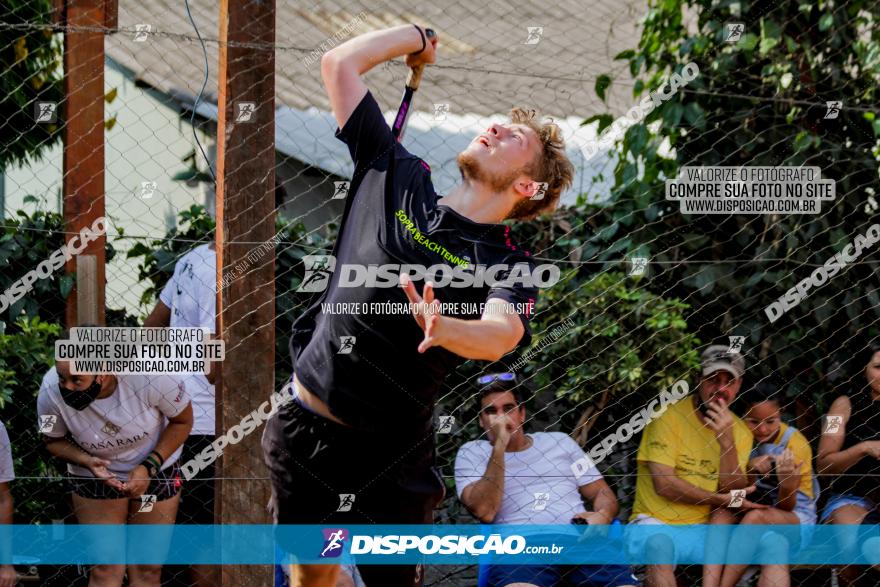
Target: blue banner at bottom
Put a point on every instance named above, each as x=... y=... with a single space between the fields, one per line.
x=441 y=544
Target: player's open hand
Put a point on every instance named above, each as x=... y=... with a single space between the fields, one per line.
x=98 y=468
x=426 y=311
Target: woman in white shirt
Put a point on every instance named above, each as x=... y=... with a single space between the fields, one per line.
x=121 y=436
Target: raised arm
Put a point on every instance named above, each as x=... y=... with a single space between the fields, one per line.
x=720 y=420
x=483 y=497
x=342 y=67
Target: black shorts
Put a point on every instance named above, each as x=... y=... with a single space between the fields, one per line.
x=164 y=486
x=197 y=499
x=315 y=463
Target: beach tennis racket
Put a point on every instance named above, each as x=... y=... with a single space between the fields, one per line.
x=412 y=84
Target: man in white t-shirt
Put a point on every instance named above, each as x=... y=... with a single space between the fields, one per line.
x=7 y=474
x=519 y=478
x=188 y=300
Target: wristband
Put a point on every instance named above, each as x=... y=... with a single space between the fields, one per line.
x=152 y=467
x=424 y=42
x=159 y=460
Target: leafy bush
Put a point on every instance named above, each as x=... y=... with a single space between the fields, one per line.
x=27 y=335
x=26 y=241
x=195 y=227
x=760 y=101
x=30 y=62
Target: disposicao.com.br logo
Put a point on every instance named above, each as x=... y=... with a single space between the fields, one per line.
x=334 y=542
x=320 y=268
x=475 y=545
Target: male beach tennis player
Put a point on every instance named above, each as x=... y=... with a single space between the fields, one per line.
x=356 y=446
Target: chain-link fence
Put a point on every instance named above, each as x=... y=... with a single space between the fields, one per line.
x=664 y=107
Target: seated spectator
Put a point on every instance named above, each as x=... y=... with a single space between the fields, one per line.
x=188 y=300
x=689 y=460
x=781 y=468
x=849 y=453
x=121 y=436
x=519 y=478
x=7 y=572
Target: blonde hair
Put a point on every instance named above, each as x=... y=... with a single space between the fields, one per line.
x=551 y=166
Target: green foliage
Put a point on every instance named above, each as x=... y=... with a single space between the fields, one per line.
x=760 y=101
x=627 y=342
x=26 y=241
x=30 y=62
x=27 y=334
x=25 y=356
x=194 y=227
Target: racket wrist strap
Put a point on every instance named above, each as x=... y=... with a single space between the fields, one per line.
x=424 y=41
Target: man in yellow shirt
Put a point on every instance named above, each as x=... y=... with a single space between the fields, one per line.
x=689 y=460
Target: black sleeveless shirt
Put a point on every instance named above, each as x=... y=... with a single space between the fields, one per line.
x=863 y=478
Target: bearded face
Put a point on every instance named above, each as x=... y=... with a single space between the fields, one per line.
x=475 y=170
x=499 y=156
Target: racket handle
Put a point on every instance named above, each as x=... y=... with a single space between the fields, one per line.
x=415 y=77
x=415 y=74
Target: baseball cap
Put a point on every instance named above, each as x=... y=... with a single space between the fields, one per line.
x=720 y=358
